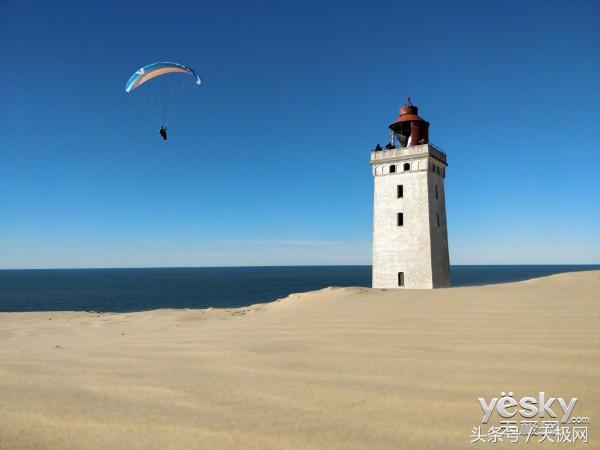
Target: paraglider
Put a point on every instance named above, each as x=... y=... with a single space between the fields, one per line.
x=163 y=94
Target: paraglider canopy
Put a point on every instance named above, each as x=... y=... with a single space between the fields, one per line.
x=162 y=97
x=156 y=69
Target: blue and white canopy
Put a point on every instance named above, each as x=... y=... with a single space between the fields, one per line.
x=157 y=69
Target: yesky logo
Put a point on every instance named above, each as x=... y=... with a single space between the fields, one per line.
x=530 y=407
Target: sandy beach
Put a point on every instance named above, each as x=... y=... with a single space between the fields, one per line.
x=340 y=368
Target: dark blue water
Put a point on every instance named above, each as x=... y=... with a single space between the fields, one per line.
x=144 y=289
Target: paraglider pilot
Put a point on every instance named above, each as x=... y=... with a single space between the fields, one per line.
x=163 y=132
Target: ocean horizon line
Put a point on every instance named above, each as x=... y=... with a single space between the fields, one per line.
x=286 y=265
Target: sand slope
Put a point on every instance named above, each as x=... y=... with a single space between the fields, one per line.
x=346 y=368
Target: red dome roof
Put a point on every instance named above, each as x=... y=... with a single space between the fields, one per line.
x=408 y=113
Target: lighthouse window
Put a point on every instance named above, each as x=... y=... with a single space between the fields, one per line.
x=400 y=279
x=400 y=192
x=392 y=169
x=438 y=219
x=400 y=219
x=436 y=192
x=406 y=166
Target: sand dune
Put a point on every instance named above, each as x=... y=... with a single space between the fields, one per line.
x=340 y=368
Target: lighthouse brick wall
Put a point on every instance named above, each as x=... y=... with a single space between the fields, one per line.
x=418 y=248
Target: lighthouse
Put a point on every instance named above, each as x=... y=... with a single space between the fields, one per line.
x=410 y=237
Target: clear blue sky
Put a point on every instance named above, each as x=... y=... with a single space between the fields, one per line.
x=267 y=163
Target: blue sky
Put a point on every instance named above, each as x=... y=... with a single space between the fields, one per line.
x=267 y=161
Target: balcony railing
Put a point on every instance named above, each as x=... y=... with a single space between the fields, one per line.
x=432 y=149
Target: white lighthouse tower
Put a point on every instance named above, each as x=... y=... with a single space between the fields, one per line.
x=410 y=239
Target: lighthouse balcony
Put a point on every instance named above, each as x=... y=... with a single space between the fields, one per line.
x=413 y=151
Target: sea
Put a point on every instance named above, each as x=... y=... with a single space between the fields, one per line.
x=126 y=290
